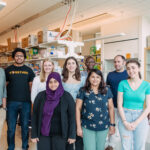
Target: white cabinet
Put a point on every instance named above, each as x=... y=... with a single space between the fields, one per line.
x=108 y=67
x=111 y=49
x=147 y=64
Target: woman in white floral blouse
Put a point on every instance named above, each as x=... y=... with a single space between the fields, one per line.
x=94 y=106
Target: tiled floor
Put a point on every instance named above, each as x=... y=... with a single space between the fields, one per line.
x=3 y=140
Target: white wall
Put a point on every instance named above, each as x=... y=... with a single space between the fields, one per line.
x=137 y=27
x=124 y=47
x=144 y=31
x=128 y=26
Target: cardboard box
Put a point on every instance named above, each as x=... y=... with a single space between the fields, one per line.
x=13 y=46
x=40 y=37
x=10 y=58
x=57 y=30
x=49 y=36
x=3 y=48
x=25 y=42
x=9 y=44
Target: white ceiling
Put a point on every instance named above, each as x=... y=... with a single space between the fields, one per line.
x=18 y=10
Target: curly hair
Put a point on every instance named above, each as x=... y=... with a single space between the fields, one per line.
x=65 y=72
x=18 y=50
x=102 y=86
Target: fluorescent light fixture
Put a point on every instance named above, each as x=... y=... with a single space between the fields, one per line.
x=2 y=5
x=105 y=37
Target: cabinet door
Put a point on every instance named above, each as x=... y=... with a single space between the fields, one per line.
x=147 y=64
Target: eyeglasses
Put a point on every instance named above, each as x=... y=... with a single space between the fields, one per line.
x=19 y=56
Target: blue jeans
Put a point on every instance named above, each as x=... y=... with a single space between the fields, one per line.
x=13 y=109
x=133 y=140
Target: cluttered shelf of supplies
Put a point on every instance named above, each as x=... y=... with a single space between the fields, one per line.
x=53 y=49
x=45 y=45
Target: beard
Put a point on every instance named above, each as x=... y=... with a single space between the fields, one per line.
x=19 y=62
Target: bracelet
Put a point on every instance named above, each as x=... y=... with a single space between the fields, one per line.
x=112 y=124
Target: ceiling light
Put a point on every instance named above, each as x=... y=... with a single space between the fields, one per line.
x=2 y=5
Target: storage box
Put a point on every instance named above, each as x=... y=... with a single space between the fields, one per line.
x=49 y=36
x=10 y=58
x=9 y=44
x=13 y=46
x=3 y=48
x=25 y=42
x=40 y=37
x=57 y=30
x=32 y=40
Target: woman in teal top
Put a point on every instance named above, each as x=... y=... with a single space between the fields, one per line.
x=72 y=82
x=132 y=93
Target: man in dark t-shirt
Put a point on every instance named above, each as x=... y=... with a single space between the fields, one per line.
x=113 y=80
x=19 y=79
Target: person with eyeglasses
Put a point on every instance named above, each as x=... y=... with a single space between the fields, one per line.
x=19 y=79
x=89 y=63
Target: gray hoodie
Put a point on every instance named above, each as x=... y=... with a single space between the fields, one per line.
x=2 y=85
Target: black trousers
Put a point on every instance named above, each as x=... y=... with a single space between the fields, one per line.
x=78 y=144
x=51 y=143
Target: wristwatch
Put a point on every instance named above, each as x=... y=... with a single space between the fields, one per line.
x=112 y=124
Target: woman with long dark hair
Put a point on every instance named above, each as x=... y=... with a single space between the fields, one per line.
x=95 y=112
x=133 y=122
x=53 y=119
x=72 y=82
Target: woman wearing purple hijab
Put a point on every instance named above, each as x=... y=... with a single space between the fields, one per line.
x=53 y=119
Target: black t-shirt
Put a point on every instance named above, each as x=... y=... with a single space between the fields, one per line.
x=18 y=79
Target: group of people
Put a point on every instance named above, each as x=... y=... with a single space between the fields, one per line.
x=75 y=111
